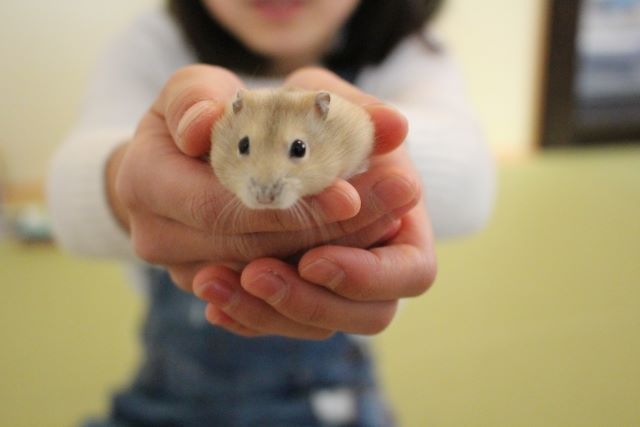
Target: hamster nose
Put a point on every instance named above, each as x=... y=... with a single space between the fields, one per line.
x=267 y=194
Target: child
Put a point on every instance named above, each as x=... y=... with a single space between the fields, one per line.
x=278 y=355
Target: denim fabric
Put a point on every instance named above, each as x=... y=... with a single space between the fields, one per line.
x=197 y=375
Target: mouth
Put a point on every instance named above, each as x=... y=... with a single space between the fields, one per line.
x=278 y=10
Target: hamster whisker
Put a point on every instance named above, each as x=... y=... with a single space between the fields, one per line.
x=311 y=217
x=247 y=241
x=222 y=220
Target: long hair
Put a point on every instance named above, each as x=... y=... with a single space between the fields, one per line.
x=373 y=30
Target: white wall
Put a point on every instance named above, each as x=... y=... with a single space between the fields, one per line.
x=48 y=48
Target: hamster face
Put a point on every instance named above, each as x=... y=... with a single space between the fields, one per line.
x=269 y=149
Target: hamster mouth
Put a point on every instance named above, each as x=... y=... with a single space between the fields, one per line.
x=277 y=194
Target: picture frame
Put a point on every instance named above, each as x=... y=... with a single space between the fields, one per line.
x=590 y=94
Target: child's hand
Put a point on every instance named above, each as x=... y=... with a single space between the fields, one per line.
x=170 y=202
x=335 y=287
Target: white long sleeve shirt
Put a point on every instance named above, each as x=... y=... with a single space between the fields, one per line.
x=444 y=139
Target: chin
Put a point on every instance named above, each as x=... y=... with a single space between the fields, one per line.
x=283 y=46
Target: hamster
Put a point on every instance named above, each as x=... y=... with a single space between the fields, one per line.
x=271 y=147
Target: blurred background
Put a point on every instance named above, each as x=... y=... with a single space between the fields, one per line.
x=535 y=321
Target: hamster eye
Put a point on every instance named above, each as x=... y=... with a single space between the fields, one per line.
x=298 y=149
x=243 y=146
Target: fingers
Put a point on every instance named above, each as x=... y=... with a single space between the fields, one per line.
x=391 y=126
x=390 y=189
x=260 y=302
x=242 y=312
x=191 y=101
x=279 y=285
x=404 y=267
x=159 y=241
x=360 y=297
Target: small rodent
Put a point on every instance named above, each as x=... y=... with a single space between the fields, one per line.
x=272 y=147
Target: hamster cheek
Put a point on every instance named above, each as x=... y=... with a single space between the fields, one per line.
x=315 y=183
x=287 y=199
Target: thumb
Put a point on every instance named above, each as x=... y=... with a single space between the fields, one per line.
x=191 y=101
x=391 y=127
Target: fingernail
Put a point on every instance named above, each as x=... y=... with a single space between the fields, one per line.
x=267 y=286
x=217 y=292
x=191 y=114
x=323 y=272
x=394 y=192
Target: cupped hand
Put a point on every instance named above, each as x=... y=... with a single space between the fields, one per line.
x=333 y=288
x=340 y=286
x=169 y=199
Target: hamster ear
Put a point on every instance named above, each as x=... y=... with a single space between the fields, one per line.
x=322 y=101
x=239 y=102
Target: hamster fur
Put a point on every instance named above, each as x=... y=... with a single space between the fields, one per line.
x=273 y=147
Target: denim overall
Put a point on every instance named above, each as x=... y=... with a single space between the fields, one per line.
x=196 y=375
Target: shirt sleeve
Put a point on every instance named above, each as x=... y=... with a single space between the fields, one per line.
x=444 y=140
x=126 y=80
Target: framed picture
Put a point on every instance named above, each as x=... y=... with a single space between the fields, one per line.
x=592 y=73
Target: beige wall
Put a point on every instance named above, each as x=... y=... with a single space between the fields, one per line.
x=48 y=49
x=499 y=44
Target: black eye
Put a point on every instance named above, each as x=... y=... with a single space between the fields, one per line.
x=298 y=149
x=243 y=146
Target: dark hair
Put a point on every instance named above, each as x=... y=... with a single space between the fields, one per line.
x=369 y=36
